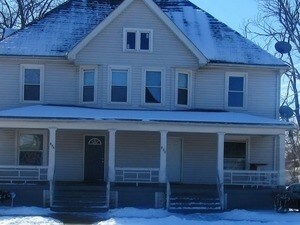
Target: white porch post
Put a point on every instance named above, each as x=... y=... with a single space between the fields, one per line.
x=163 y=157
x=51 y=159
x=220 y=166
x=281 y=159
x=111 y=155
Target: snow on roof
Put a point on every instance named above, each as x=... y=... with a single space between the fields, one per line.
x=80 y=113
x=64 y=27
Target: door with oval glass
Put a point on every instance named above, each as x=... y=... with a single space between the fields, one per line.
x=94 y=158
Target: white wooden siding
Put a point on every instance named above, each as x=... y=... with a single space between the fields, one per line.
x=7 y=147
x=137 y=149
x=168 y=52
x=262 y=151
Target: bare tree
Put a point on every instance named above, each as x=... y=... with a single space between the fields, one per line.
x=18 y=13
x=278 y=21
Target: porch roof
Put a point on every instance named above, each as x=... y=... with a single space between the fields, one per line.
x=52 y=112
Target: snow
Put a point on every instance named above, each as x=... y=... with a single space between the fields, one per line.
x=64 y=27
x=133 y=216
x=69 y=112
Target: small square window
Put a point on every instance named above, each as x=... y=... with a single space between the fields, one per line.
x=131 y=40
x=137 y=40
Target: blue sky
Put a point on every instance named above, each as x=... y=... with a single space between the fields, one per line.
x=231 y=12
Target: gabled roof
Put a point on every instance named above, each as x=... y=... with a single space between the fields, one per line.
x=65 y=27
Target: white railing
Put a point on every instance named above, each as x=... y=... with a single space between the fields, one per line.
x=23 y=173
x=249 y=177
x=137 y=175
x=168 y=193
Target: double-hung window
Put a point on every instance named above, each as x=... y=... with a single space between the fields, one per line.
x=182 y=88
x=119 y=85
x=32 y=77
x=31 y=148
x=88 y=84
x=235 y=155
x=137 y=40
x=236 y=90
x=153 y=86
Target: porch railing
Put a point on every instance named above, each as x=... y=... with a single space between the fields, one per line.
x=23 y=173
x=137 y=175
x=258 y=178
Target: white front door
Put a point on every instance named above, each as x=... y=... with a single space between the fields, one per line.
x=174 y=159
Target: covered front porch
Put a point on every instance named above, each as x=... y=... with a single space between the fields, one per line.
x=143 y=151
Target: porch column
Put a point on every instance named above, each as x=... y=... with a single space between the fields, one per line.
x=281 y=159
x=111 y=155
x=220 y=167
x=163 y=157
x=51 y=159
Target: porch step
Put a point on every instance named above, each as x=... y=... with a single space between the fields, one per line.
x=79 y=197
x=193 y=202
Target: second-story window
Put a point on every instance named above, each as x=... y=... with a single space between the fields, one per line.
x=88 y=84
x=32 y=78
x=119 y=85
x=182 y=88
x=153 y=86
x=236 y=90
x=137 y=40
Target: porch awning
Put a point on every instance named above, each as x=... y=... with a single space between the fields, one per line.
x=51 y=112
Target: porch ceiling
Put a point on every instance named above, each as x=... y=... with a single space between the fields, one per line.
x=71 y=113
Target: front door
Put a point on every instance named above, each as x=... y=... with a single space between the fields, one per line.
x=94 y=158
x=174 y=159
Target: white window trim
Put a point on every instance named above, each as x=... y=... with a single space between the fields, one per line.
x=81 y=82
x=45 y=144
x=119 y=67
x=163 y=72
x=137 y=39
x=241 y=139
x=236 y=74
x=189 y=73
x=22 y=81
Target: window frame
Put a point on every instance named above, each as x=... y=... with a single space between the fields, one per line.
x=239 y=139
x=162 y=94
x=45 y=145
x=189 y=87
x=23 y=67
x=110 y=70
x=137 y=32
x=245 y=89
x=81 y=83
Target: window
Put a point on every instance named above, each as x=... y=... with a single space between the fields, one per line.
x=88 y=84
x=182 y=88
x=137 y=40
x=235 y=155
x=119 y=84
x=32 y=77
x=31 y=148
x=236 y=90
x=153 y=86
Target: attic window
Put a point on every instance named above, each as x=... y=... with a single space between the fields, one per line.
x=137 y=40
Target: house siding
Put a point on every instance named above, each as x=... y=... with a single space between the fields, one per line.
x=209 y=90
x=137 y=149
x=7 y=147
x=166 y=49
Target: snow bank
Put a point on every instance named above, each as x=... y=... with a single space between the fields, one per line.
x=33 y=220
x=137 y=213
x=26 y=211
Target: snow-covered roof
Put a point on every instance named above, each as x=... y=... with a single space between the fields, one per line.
x=67 y=25
x=80 y=113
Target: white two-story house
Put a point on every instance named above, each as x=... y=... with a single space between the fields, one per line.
x=138 y=103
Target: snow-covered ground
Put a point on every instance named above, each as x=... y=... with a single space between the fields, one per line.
x=132 y=216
